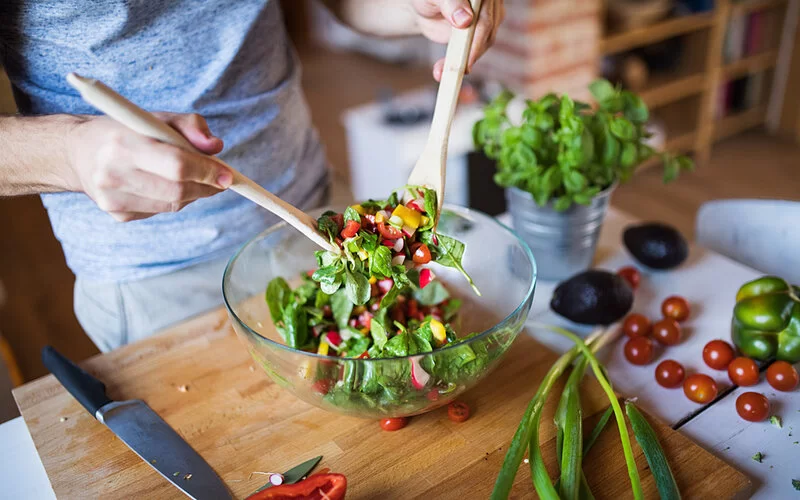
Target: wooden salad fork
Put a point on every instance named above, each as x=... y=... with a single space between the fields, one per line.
x=143 y=122
x=429 y=170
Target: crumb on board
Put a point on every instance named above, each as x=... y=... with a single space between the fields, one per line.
x=153 y=461
x=187 y=477
x=183 y=388
x=758 y=457
x=252 y=368
x=176 y=474
x=63 y=419
x=526 y=461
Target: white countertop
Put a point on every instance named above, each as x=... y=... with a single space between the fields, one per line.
x=708 y=281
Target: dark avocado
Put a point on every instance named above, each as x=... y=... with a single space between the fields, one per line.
x=656 y=245
x=593 y=297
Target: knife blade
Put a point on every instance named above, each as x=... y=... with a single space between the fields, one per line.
x=141 y=429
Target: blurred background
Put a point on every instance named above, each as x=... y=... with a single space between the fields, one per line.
x=722 y=80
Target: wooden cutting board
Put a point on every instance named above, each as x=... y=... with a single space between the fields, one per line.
x=242 y=423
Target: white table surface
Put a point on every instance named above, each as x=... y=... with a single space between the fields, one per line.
x=708 y=281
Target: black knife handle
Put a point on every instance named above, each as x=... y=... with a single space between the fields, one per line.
x=89 y=391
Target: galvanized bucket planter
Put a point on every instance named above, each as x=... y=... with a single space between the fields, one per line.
x=563 y=243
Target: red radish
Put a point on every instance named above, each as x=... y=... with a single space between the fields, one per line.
x=419 y=377
x=408 y=231
x=415 y=205
x=425 y=277
x=365 y=318
x=350 y=229
x=398 y=260
x=385 y=285
x=388 y=243
x=364 y=354
x=398 y=245
x=353 y=322
x=333 y=338
x=377 y=305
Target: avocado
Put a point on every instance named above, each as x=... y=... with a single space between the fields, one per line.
x=656 y=245
x=593 y=297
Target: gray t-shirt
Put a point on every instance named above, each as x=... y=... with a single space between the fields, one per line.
x=231 y=62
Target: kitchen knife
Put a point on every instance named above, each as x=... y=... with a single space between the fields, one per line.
x=141 y=429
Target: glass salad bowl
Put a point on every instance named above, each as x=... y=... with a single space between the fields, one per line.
x=501 y=265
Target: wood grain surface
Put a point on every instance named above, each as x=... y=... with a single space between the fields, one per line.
x=242 y=423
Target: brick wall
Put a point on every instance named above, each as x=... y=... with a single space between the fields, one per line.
x=546 y=46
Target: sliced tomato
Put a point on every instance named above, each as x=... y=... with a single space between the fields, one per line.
x=317 y=486
x=350 y=229
x=389 y=232
x=420 y=253
x=322 y=386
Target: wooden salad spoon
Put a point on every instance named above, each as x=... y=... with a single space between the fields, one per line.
x=143 y=122
x=429 y=170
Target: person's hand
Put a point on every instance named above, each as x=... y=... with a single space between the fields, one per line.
x=438 y=17
x=133 y=177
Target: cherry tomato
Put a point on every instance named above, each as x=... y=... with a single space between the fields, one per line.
x=675 y=307
x=420 y=253
x=351 y=228
x=639 y=350
x=631 y=275
x=782 y=376
x=636 y=325
x=743 y=371
x=752 y=406
x=700 y=388
x=718 y=354
x=458 y=411
x=394 y=424
x=388 y=231
x=669 y=373
x=322 y=386
x=667 y=331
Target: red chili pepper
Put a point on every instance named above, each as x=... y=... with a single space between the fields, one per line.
x=350 y=229
x=314 y=487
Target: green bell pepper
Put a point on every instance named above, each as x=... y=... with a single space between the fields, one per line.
x=766 y=320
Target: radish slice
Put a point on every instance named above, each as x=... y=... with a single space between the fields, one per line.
x=419 y=377
x=385 y=285
x=408 y=231
x=398 y=245
x=333 y=338
x=425 y=277
x=398 y=260
x=415 y=205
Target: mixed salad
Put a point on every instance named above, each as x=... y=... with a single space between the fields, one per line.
x=378 y=299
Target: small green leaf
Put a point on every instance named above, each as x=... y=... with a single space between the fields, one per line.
x=623 y=129
x=342 y=307
x=685 y=163
x=796 y=484
x=628 y=156
x=776 y=421
x=670 y=170
x=574 y=181
x=562 y=203
x=758 y=457
x=531 y=136
x=635 y=108
x=524 y=155
x=350 y=214
x=602 y=90
x=278 y=296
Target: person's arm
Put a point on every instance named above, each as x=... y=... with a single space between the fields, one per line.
x=432 y=18
x=128 y=175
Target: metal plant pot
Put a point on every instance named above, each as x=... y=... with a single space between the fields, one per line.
x=563 y=243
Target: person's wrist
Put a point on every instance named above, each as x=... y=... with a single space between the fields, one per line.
x=75 y=142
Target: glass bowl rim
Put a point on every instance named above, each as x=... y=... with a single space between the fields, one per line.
x=446 y=207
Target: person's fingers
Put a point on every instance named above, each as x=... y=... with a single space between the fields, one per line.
x=438 y=68
x=159 y=188
x=485 y=32
x=129 y=216
x=120 y=202
x=195 y=128
x=178 y=165
x=457 y=12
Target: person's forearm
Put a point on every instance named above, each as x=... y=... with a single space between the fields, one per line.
x=34 y=155
x=384 y=18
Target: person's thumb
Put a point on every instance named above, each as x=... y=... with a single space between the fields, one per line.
x=195 y=128
x=457 y=12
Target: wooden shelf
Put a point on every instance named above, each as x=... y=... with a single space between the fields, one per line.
x=681 y=143
x=748 y=6
x=739 y=122
x=661 y=31
x=750 y=65
x=666 y=89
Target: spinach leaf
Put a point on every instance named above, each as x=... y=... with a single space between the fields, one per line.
x=448 y=253
x=369 y=242
x=350 y=214
x=295 y=321
x=306 y=292
x=326 y=225
x=450 y=309
x=397 y=346
x=418 y=344
x=431 y=207
x=432 y=294
x=278 y=296
x=321 y=299
x=378 y=327
x=342 y=307
x=356 y=285
x=380 y=262
x=373 y=205
x=355 y=346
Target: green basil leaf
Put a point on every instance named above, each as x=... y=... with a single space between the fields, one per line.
x=574 y=181
x=524 y=155
x=278 y=296
x=562 y=203
x=685 y=163
x=531 y=136
x=602 y=90
x=623 y=129
x=671 y=169
x=635 y=108
x=380 y=262
x=629 y=154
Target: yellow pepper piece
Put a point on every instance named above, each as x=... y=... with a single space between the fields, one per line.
x=305 y=370
x=323 y=348
x=364 y=331
x=439 y=333
x=425 y=220
x=362 y=254
x=411 y=217
x=373 y=280
x=379 y=218
x=359 y=209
